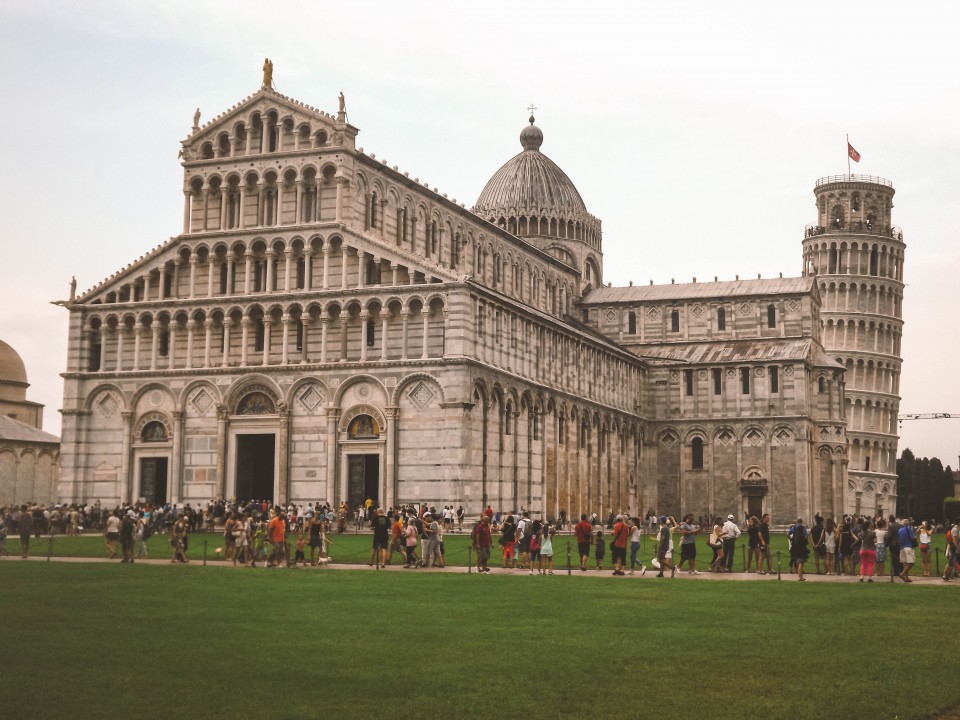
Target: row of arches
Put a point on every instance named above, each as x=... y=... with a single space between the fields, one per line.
x=28 y=474
x=560 y=226
x=865 y=259
x=871 y=375
x=864 y=335
x=264 y=131
x=353 y=330
x=868 y=455
x=262 y=197
x=521 y=344
x=267 y=266
x=859 y=297
x=871 y=416
x=550 y=454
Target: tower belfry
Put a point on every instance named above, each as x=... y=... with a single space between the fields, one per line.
x=857 y=255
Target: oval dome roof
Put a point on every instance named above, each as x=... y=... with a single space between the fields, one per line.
x=12 y=369
x=530 y=181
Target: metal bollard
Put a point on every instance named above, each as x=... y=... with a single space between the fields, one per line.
x=778 y=563
x=469 y=559
x=204 y=553
x=936 y=555
x=569 y=572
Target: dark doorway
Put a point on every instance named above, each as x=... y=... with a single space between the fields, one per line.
x=255 y=461
x=153 y=480
x=363 y=479
x=755 y=505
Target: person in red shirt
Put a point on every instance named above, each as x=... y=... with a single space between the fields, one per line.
x=277 y=531
x=584 y=533
x=618 y=545
x=481 y=543
x=488 y=512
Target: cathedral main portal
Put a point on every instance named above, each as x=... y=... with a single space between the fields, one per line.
x=255 y=465
x=363 y=479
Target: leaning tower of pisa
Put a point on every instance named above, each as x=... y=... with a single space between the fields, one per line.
x=857 y=254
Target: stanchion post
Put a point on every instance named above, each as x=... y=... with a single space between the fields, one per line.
x=49 y=547
x=936 y=554
x=569 y=570
x=469 y=559
x=778 y=564
x=205 y=553
x=743 y=557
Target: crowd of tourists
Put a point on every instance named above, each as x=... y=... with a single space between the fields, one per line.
x=412 y=535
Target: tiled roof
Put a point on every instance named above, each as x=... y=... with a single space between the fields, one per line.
x=699 y=290
x=11 y=429
x=736 y=351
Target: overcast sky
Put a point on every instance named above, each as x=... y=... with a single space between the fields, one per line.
x=694 y=130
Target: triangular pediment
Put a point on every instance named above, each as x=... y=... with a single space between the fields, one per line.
x=207 y=140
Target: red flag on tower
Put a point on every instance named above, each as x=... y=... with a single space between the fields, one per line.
x=852 y=152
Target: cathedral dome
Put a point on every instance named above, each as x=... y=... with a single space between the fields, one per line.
x=530 y=182
x=12 y=369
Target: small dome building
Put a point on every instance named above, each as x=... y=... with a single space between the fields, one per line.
x=532 y=198
x=28 y=456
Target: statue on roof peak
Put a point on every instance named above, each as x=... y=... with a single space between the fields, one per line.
x=267 y=73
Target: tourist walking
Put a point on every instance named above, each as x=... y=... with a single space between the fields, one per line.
x=25 y=529
x=583 y=531
x=731 y=532
x=111 y=531
x=868 y=550
x=618 y=546
x=799 y=548
x=480 y=538
x=908 y=540
x=926 y=538
x=665 y=548
x=546 y=551
x=636 y=531
x=688 y=545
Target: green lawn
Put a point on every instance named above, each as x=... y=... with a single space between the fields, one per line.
x=86 y=640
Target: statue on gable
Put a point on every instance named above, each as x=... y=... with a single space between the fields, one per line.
x=196 y=119
x=267 y=73
x=73 y=288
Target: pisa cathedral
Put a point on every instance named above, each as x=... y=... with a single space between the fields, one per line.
x=326 y=327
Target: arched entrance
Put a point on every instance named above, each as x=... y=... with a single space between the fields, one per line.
x=362 y=442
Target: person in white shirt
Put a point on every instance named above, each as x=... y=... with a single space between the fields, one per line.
x=730 y=534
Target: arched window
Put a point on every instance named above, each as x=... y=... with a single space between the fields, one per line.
x=856 y=202
x=301 y=273
x=373 y=210
x=821 y=385
x=721 y=318
x=153 y=431
x=771 y=316
x=874 y=261
x=675 y=321
x=371 y=329
x=632 y=323
x=696 y=446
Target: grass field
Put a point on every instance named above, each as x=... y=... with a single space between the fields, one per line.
x=88 y=640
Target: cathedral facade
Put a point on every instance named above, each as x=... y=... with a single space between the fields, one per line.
x=326 y=327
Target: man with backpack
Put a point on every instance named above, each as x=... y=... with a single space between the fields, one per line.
x=908 y=540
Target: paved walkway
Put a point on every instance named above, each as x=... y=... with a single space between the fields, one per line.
x=651 y=574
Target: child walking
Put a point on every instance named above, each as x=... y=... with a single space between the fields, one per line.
x=600 y=550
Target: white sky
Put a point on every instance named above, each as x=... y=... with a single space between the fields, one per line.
x=695 y=130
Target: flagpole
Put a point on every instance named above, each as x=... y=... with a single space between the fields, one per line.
x=849 y=173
